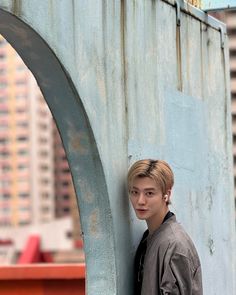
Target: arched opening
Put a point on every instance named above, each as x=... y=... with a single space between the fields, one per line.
x=77 y=136
x=37 y=197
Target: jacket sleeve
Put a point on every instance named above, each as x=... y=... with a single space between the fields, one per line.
x=177 y=276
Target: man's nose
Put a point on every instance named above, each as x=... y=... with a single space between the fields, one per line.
x=141 y=198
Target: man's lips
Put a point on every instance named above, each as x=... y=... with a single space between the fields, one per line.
x=141 y=210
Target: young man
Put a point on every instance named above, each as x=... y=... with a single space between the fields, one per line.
x=166 y=260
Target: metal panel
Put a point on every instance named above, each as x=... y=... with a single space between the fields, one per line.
x=217 y=4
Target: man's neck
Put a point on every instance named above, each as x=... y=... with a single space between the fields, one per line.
x=156 y=221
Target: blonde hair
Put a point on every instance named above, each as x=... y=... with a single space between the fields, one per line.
x=158 y=170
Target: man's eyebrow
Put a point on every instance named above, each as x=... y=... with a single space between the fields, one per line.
x=146 y=189
x=150 y=189
x=134 y=187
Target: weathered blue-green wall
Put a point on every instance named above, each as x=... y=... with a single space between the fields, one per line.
x=125 y=82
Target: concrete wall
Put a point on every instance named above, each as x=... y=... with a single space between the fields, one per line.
x=125 y=82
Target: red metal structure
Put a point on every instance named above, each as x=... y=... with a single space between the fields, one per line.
x=32 y=252
x=42 y=279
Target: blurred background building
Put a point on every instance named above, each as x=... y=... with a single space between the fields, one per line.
x=229 y=18
x=36 y=189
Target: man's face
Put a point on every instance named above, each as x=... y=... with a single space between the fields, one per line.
x=147 y=199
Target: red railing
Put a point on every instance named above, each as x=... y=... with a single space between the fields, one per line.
x=43 y=279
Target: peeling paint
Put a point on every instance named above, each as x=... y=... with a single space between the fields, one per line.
x=209 y=197
x=78 y=142
x=94 y=223
x=211 y=245
x=87 y=195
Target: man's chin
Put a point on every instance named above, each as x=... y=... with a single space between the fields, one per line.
x=140 y=217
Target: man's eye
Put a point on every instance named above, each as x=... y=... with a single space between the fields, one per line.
x=149 y=194
x=134 y=193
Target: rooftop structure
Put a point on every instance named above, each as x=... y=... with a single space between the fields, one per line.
x=36 y=187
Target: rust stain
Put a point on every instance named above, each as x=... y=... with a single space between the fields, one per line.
x=93 y=222
x=196 y=3
x=79 y=142
x=179 y=58
x=16 y=7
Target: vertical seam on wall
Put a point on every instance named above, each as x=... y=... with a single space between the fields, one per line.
x=178 y=50
x=223 y=54
x=123 y=58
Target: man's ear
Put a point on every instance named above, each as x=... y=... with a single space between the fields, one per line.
x=168 y=192
x=167 y=196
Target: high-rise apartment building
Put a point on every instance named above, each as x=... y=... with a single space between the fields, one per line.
x=229 y=18
x=26 y=145
x=35 y=179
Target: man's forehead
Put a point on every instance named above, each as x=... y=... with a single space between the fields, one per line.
x=145 y=182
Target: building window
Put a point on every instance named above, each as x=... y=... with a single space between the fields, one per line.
x=43 y=126
x=22 y=124
x=45 y=195
x=66 y=210
x=3 y=126
x=4 y=153
x=3 y=84
x=2 y=55
x=22 y=138
x=43 y=153
x=45 y=209
x=45 y=181
x=4 y=140
x=22 y=167
x=21 y=68
x=5 y=183
x=6 y=196
x=20 y=82
x=24 y=222
x=66 y=197
x=5 y=210
x=22 y=152
x=44 y=167
x=23 y=195
x=21 y=110
x=20 y=96
x=6 y=168
x=43 y=140
x=24 y=209
x=232 y=53
x=4 y=111
x=5 y=222
x=3 y=98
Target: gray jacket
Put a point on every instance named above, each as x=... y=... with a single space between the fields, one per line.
x=171 y=265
